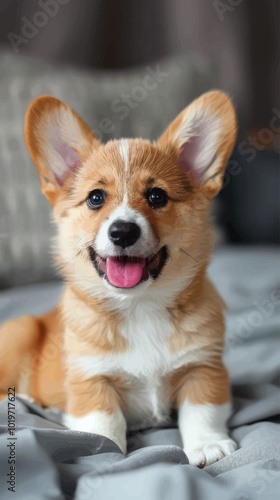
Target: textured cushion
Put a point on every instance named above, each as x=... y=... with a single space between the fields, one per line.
x=25 y=230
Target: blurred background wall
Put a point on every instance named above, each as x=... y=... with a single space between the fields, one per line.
x=241 y=36
x=95 y=55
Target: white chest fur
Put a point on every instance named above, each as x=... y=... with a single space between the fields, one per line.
x=147 y=327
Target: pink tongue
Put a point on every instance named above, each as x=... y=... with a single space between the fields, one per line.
x=124 y=274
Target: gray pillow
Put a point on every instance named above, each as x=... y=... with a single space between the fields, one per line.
x=126 y=104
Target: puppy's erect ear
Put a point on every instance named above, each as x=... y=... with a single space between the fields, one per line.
x=205 y=134
x=58 y=142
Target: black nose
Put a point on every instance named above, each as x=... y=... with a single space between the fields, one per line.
x=124 y=234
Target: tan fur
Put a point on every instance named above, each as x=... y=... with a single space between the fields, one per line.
x=201 y=305
x=94 y=329
x=200 y=385
x=100 y=393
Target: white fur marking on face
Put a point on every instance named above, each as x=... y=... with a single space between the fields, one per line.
x=204 y=432
x=98 y=422
x=145 y=246
x=124 y=152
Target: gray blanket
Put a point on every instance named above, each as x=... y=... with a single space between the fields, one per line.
x=54 y=463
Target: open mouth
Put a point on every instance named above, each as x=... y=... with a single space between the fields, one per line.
x=128 y=272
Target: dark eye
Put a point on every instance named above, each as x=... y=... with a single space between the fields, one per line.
x=157 y=198
x=96 y=199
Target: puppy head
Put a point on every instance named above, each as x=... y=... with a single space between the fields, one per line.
x=131 y=215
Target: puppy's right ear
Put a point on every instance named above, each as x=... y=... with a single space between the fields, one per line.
x=58 y=141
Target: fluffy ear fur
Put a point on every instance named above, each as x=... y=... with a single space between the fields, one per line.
x=58 y=142
x=205 y=133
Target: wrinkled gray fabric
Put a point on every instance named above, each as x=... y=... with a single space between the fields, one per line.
x=54 y=463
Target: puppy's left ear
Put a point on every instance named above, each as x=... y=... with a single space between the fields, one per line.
x=204 y=133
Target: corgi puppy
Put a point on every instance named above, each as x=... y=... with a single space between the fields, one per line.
x=140 y=328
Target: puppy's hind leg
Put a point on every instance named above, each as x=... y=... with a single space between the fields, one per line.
x=19 y=339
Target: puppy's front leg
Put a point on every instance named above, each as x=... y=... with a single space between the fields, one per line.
x=203 y=401
x=94 y=405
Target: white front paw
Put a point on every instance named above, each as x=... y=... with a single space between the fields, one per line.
x=208 y=452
